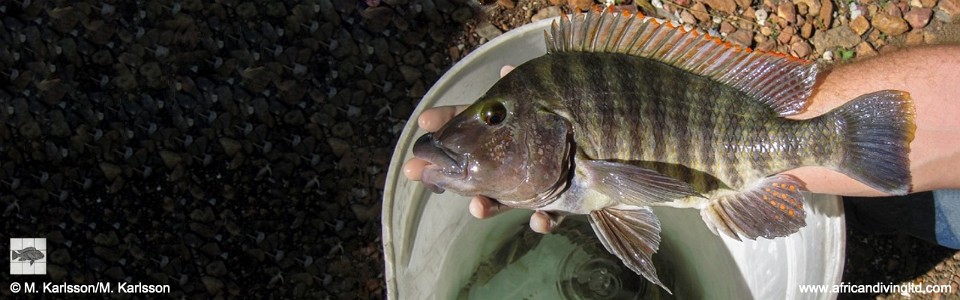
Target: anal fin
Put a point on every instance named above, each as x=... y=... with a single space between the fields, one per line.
x=632 y=235
x=771 y=208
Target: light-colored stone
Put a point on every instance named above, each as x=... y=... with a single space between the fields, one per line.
x=918 y=17
x=860 y=25
x=948 y=11
x=841 y=36
x=787 y=11
x=865 y=50
x=786 y=34
x=488 y=31
x=812 y=6
x=546 y=13
x=806 y=31
x=914 y=38
x=800 y=49
x=687 y=17
x=826 y=13
x=699 y=11
x=889 y=25
x=727 y=6
x=741 y=37
x=580 y=4
x=726 y=27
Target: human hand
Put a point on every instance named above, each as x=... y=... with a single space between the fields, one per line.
x=480 y=207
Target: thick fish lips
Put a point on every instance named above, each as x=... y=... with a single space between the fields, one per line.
x=444 y=164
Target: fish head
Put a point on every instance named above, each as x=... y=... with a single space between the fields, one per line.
x=498 y=147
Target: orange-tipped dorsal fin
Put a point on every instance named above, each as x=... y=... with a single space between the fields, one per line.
x=782 y=82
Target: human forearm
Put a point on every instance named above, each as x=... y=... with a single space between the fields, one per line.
x=932 y=77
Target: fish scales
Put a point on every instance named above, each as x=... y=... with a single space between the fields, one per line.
x=670 y=116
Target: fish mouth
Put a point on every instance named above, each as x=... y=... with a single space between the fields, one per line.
x=444 y=165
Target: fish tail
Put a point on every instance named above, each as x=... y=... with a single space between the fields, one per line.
x=877 y=129
x=15 y=254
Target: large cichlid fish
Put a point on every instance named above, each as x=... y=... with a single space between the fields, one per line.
x=625 y=113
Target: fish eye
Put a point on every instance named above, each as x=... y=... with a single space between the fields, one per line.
x=493 y=114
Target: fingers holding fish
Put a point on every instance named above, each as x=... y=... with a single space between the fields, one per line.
x=483 y=207
x=545 y=222
x=506 y=70
x=432 y=119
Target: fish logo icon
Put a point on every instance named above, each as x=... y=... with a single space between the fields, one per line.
x=29 y=253
x=28 y=256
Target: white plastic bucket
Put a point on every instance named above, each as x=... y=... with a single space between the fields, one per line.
x=432 y=245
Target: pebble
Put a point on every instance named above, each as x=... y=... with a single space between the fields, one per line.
x=860 y=25
x=841 y=36
x=742 y=37
x=812 y=6
x=787 y=11
x=410 y=74
x=914 y=38
x=786 y=34
x=948 y=11
x=462 y=15
x=918 y=17
x=800 y=49
x=726 y=27
x=546 y=13
x=508 y=4
x=699 y=11
x=487 y=31
x=806 y=30
x=580 y=4
x=338 y=146
x=928 y=3
x=890 y=25
x=687 y=17
x=727 y=6
x=212 y=284
x=826 y=13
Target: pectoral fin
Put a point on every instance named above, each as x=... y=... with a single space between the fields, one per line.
x=771 y=208
x=632 y=235
x=631 y=184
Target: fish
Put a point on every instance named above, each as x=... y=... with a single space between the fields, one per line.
x=28 y=253
x=627 y=112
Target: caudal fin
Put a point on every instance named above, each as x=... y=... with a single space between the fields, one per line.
x=878 y=128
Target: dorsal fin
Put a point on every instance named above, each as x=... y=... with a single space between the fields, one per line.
x=780 y=81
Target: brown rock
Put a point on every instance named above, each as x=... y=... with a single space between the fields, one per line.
x=699 y=11
x=918 y=17
x=802 y=9
x=766 y=45
x=557 y=2
x=508 y=4
x=580 y=4
x=812 y=6
x=928 y=3
x=826 y=13
x=841 y=36
x=893 y=9
x=741 y=37
x=860 y=25
x=915 y=38
x=726 y=27
x=744 y=3
x=806 y=30
x=766 y=31
x=546 y=13
x=688 y=17
x=865 y=50
x=800 y=49
x=787 y=11
x=948 y=11
x=786 y=34
x=727 y=6
x=890 y=25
